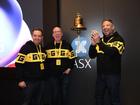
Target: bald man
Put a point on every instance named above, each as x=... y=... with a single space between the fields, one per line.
x=60 y=63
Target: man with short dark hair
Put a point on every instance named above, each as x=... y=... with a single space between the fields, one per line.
x=30 y=68
x=108 y=51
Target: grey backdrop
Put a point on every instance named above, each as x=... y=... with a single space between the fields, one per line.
x=32 y=12
x=125 y=14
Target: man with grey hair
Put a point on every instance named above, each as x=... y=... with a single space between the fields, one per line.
x=108 y=51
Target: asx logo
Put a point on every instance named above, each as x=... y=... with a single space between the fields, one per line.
x=80 y=46
x=83 y=63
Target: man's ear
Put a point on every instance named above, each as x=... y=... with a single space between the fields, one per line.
x=113 y=27
x=52 y=35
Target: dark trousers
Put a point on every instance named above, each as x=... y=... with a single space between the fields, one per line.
x=58 y=89
x=33 y=93
x=111 y=83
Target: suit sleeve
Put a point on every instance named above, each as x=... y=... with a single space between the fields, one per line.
x=20 y=64
x=71 y=57
x=113 y=48
x=92 y=51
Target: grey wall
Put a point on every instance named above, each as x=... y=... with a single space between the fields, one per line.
x=32 y=12
x=50 y=17
x=125 y=14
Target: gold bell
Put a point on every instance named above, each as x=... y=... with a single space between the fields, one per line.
x=78 y=23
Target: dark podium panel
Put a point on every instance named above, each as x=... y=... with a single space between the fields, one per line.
x=10 y=94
